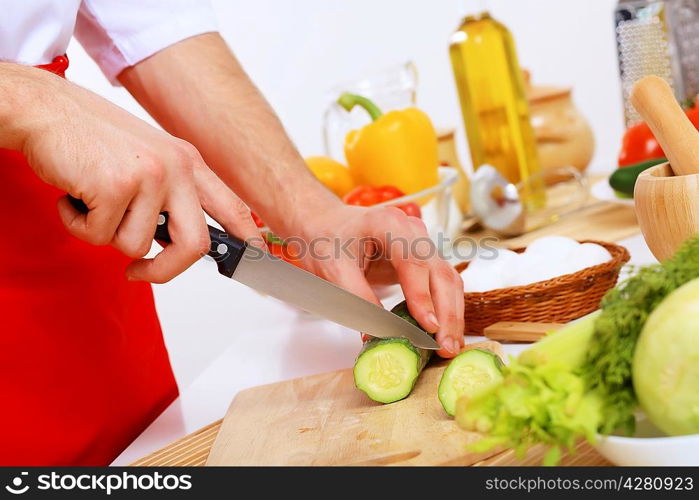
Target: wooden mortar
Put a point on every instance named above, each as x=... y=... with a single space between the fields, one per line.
x=667 y=208
x=667 y=196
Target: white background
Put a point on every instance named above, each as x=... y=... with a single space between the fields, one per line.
x=296 y=50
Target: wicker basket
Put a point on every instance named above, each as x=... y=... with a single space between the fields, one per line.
x=558 y=300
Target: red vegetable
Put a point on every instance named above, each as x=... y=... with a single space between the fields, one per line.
x=412 y=209
x=366 y=196
x=276 y=245
x=256 y=219
x=278 y=248
x=639 y=143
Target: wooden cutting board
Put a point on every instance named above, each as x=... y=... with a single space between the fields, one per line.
x=597 y=221
x=325 y=420
x=193 y=450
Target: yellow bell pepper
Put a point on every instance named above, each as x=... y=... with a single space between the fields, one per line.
x=397 y=149
x=334 y=175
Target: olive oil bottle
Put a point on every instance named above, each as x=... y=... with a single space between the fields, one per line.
x=494 y=106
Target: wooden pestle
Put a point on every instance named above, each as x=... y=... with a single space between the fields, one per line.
x=654 y=100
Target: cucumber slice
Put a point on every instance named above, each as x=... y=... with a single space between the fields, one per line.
x=387 y=369
x=468 y=374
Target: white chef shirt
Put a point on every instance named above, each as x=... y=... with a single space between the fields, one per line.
x=115 y=33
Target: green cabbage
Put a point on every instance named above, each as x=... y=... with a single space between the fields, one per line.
x=666 y=363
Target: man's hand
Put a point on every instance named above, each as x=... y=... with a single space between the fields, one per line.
x=124 y=170
x=352 y=246
x=250 y=151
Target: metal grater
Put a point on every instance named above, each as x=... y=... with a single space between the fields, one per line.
x=658 y=37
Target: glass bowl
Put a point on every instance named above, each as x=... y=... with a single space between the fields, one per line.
x=439 y=211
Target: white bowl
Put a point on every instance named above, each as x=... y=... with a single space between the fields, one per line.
x=649 y=446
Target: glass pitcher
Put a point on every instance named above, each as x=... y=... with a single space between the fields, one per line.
x=391 y=88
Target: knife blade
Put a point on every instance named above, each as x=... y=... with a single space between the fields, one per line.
x=272 y=276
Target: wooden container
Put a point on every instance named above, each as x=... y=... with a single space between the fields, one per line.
x=563 y=135
x=667 y=196
x=558 y=300
x=667 y=208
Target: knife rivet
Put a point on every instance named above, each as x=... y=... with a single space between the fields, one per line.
x=161 y=219
x=222 y=249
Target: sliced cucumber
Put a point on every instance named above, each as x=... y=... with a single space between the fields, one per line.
x=468 y=374
x=387 y=369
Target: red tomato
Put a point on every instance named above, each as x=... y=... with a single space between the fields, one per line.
x=366 y=196
x=363 y=196
x=389 y=193
x=639 y=143
x=411 y=209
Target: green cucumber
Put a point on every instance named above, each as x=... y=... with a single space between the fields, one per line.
x=623 y=179
x=467 y=375
x=386 y=369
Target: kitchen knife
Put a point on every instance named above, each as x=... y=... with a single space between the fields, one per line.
x=270 y=275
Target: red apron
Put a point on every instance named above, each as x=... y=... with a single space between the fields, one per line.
x=83 y=365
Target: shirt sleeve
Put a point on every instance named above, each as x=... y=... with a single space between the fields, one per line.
x=120 y=34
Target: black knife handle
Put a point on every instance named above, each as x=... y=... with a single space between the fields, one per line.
x=225 y=249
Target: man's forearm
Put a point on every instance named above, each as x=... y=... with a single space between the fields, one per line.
x=23 y=90
x=197 y=90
